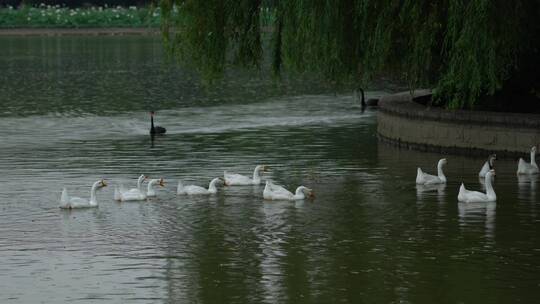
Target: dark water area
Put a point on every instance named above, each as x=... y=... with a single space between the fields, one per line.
x=75 y=109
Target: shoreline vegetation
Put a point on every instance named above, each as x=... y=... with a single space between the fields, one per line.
x=55 y=19
x=56 y=16
x=476 y=55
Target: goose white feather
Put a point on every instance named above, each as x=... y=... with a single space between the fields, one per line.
x=198 y=190
x=134 y=194
x=232 y=179
x=423 y=178
x=528 y=168
x=468 y=196
x=275 y=192
x=73 y=202
x=488 y=165
x=150 y=191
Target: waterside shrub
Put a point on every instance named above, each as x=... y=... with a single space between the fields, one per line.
x=47 y=16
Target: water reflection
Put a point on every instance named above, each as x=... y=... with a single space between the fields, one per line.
x=472 y=213
x=425 y=191
x=272 y=251
x=527 y=184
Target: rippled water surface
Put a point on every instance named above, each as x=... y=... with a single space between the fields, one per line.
x=74 y=110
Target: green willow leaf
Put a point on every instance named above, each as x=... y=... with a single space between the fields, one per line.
x=467 y=50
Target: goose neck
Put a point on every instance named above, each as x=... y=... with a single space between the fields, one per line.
x=139 y=182
x=180 y=188
x=93 y=199
x=151 y=184
x=299 y=193
x=490 y=192
x=64 y=198
x=212 y=187
x=257 y=174
x=440 y=172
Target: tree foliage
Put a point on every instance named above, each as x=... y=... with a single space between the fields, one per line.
x=466 y=49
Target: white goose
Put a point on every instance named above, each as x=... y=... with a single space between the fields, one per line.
x=134 y=194
x=428 y=179
x=139 y=188
x=232 y=179
x=67 y=202
x=276 y=192
x=151 y=192
x=488 y=165
x=526 y=168
x=197 y=190
x=468 y=196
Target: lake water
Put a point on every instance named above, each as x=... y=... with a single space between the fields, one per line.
x=75 y=109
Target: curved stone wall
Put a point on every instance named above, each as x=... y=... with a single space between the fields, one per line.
x=407 y=123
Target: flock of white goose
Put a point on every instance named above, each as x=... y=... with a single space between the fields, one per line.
x=487 y=172
x=276 y=192
x=271 y=190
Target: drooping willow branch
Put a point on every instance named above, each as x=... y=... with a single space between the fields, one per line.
x=464 y=49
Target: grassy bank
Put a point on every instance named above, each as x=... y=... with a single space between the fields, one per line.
x=46 y=16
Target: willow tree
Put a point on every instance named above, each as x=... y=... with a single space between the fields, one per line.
x=467 y=50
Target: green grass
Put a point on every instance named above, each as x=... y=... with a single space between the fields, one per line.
x=92 y=17
x=47 y=16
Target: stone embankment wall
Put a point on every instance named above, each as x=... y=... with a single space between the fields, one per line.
x=409 y=124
